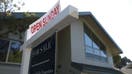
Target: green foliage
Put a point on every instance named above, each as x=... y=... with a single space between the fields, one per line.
x=116 y=59
x=29 y=14
x=15 y=57
x=16 y=25
x=120 y=62
x=8 y=6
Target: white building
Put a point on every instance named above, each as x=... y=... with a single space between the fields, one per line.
x=71 y=43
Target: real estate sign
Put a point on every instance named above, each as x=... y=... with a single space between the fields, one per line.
x=43 y=21
x=42 y=60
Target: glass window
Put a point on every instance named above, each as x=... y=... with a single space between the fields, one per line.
x=10 y=51
x=97 y=52
x=89 y=50
x=93 y=46
x=103 y=54
x=88 y=41
x=15 y=54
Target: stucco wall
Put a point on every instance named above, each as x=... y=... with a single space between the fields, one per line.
x=78 y=49
x=64 y=53
x=9 y=68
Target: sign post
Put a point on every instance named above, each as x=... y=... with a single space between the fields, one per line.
x=42 y=60
x=43 y=21
x=40 y=42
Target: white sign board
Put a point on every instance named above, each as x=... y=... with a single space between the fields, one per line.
x=43 y=21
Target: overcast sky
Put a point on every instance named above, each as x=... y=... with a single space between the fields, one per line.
x=114 y=15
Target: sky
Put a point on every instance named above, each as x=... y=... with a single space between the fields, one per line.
x=114 y=15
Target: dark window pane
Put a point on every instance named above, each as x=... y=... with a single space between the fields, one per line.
x=4 y=44
x=15 y=53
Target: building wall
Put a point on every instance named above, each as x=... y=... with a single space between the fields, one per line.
x=70 y=44
x=64 y=53
x=78 y=49
x=9 y=68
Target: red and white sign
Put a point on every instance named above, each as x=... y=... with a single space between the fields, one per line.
x=43 y=21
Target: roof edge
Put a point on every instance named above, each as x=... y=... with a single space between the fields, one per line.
x=101 y=27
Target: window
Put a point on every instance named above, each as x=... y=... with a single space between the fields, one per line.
x=93 y=47
x=10 y=51
x=4 y=44
x=88 y=40
x=15 y=54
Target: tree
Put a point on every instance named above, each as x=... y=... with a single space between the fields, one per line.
x=116 y=60
x=120 y=62
x=14 y=25
x=8 y=6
